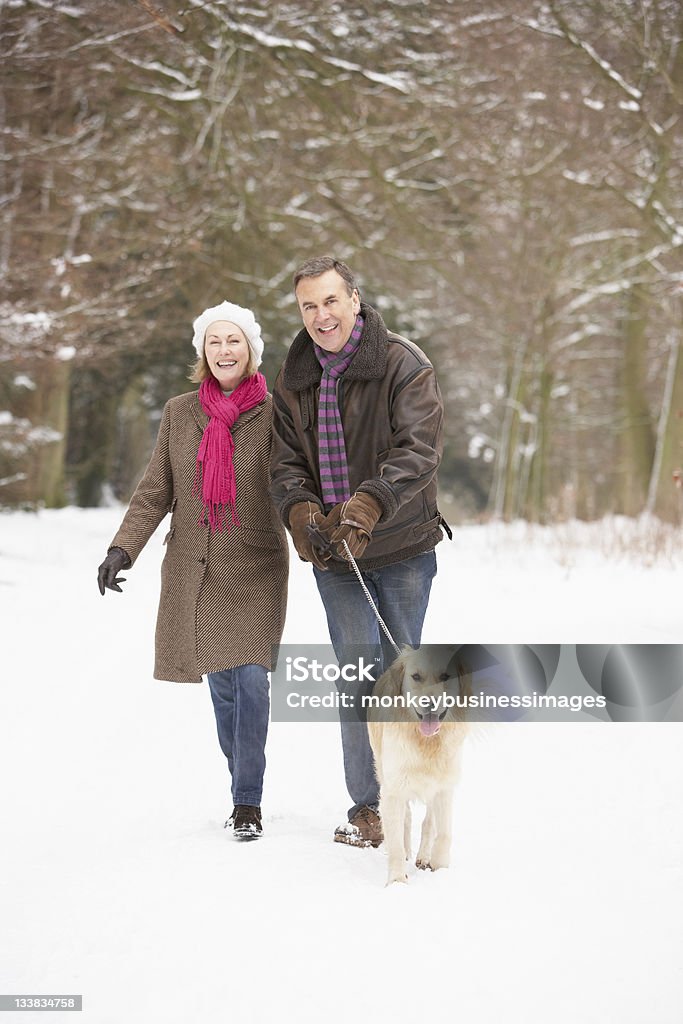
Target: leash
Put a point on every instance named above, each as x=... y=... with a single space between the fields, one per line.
x=368 y=595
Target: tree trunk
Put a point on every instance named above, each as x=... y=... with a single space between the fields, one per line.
x=665 y=496
x=536 y=503
x=635 y=426
x=33 y=460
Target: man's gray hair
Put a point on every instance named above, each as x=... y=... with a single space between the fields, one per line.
x=320 y=265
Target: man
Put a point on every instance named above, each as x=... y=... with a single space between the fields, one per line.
x=357 y=439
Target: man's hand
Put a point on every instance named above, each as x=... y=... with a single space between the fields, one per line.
x=305 y=518
x=107 y=574
x=352 y=521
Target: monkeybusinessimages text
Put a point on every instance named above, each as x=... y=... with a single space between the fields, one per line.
x=303 y=670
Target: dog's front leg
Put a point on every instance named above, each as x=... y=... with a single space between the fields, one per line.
x=443 y=816
x=424 y=854
x=392 y=809
x=407 y=829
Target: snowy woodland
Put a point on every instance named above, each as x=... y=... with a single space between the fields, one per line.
x=505 y=178
x=503 y=175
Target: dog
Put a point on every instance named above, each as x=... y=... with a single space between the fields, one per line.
x=417 y=741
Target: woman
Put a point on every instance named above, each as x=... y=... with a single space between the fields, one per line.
x=224 y=575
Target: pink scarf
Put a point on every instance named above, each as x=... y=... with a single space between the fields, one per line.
x=214 y=459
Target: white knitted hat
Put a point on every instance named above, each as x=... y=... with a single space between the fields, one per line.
x=244 y=318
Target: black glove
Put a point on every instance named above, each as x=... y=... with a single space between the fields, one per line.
x=107 y=574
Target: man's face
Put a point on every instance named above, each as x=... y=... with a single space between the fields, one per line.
x=328 y=311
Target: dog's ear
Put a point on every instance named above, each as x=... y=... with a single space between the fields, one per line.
x=465 y=681
x=461 y=669
x=390 y=683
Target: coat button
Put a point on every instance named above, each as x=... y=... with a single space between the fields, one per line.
x=202 y=560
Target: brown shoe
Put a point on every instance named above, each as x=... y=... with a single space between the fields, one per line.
x=364 y=829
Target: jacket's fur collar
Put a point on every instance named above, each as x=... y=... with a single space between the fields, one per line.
x=302 y=369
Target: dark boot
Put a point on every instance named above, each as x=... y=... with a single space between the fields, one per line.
x=245 y=822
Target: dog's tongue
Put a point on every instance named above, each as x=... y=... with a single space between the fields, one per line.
x=430 y=725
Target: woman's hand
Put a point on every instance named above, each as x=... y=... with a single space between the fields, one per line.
x=107 y=574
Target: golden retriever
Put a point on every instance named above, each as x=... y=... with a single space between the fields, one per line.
x=417 y=740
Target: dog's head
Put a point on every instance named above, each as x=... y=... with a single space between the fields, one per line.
x=431 y=678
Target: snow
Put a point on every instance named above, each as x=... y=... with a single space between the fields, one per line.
x=605 y=65
x=589 y=294
x=5 y=480
x=40 y=320
x=164 y=69
x=268 y=39
x=562 y=903
x=399 y=80
x=178 y=95
x=478 y=19
x=560 y=391
x=43 y=435
x=476 y=445
x=580 y=177
x=66 y=9
x=676 y=229
x=603 y=236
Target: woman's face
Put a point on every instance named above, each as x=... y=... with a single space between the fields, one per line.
x=227 y=353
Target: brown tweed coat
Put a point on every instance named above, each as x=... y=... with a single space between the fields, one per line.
x=223 y=594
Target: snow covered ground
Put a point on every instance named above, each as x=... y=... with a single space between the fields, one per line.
x=564 y=901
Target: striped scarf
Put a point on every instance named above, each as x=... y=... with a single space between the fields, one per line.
x=334 y=470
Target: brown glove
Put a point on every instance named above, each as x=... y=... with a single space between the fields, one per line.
x=352 y=521
x=302 y=516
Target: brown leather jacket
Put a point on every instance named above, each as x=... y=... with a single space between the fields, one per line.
x=392 y=412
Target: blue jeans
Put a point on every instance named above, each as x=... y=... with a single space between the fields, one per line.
x=241 y=700
x=401 y=594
